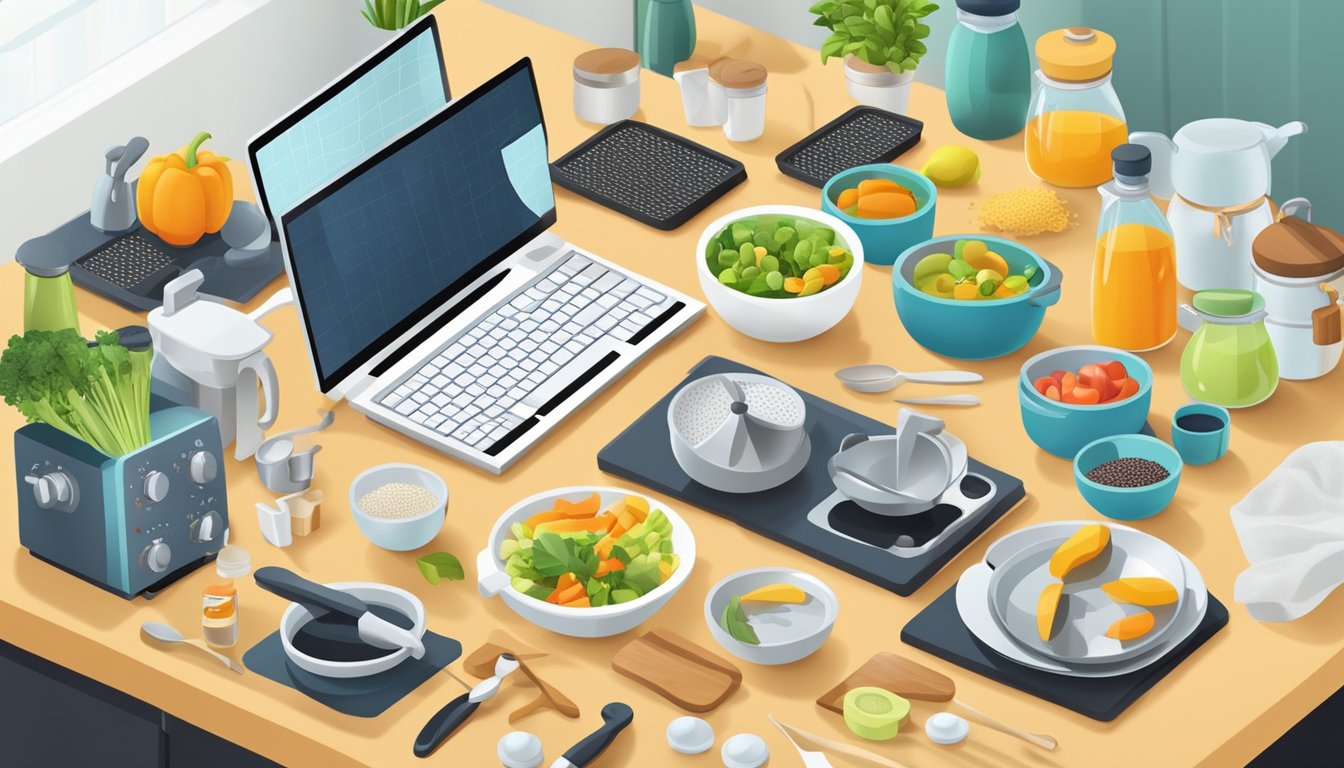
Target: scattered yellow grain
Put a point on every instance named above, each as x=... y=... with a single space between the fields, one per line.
x=1022 y=212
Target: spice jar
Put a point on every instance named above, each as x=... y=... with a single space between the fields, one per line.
x=219 y=614
x=1075 y=119
x=743 y=84
x=606 y=85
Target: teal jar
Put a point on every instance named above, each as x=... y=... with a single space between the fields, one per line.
x=666 y=34
x=988 y=71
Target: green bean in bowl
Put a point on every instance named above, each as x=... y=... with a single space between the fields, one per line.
x=777 y=256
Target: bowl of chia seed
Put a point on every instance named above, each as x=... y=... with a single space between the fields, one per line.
x=1127 y=477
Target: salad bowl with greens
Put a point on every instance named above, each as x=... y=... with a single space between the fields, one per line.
x=586 y=561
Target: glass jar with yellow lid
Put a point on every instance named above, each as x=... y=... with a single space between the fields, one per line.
x=1075 y=118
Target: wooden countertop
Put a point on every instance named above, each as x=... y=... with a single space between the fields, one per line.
x=1221 y=707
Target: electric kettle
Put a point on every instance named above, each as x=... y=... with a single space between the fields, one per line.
x=217 y=355
x=1216 y=173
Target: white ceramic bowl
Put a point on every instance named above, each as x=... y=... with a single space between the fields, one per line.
x=399 y=534
x=771 y=653
x=602 y=621
x=295 y=616
x=782 y=320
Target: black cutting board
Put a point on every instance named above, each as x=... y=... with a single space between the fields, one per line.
x=643 y=454
x=940 y=631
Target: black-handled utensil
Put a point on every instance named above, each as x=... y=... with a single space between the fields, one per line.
x=615 y=717
x=453 y=714
x=335 y=611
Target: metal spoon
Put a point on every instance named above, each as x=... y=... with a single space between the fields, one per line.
x=963 y=400
x=883 y=378
x=166 y=634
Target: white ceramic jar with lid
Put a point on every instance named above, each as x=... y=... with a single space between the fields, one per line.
x=606 y=85
x=743 y=84
x=1299 y=270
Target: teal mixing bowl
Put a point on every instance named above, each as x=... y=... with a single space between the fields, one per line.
x=1063 y=429
x=973 y=330
x=884 y=239
x=1127 y=503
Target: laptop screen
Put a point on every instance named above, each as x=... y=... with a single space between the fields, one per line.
x=382 y=247
x=393 y=90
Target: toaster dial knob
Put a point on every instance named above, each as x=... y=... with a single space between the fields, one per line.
x=157 y=556
x=54 y=490
x=202 y=467
x=207 y=528
x=156 y=486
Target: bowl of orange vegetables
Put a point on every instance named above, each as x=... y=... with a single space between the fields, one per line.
x=1073 y=396
x=890 y=207
x=586 y=561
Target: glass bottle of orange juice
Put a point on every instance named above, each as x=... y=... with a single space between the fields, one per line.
x=1134 y=275
x=1075 y=118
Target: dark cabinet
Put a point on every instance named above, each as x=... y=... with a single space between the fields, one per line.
x=51 y=717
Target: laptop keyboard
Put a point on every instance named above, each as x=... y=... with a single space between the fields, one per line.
x=487 y=385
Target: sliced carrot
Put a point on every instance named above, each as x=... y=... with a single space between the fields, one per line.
x=1081 y=395
x=638 y=506
x=847 y=198
x=1052 y=392
x=572 y=509
x=601 y=524
x=565 y=581
x=1115 y=369
x=543 y=517
x=564 y=596
x=878 y=186
x=581 y=602
x=1044 y=383
x=1058 y=376
x=885 y=205
x=794 y=284
x=608 y=565
x=1096 y=377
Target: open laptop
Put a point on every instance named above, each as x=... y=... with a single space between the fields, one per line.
x=436 y=299
x=389 y=92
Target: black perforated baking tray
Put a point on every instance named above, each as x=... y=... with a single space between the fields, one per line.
x=651 y=175
x=861 y=136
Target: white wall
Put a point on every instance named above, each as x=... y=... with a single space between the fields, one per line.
x=232 y=83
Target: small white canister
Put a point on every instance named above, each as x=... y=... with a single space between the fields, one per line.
x=606 y=85
x=693 y=79
x=743 y=84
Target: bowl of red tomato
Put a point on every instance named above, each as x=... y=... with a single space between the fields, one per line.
x=1071 y=396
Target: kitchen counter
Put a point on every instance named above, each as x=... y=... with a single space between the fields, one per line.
x=1232 y=698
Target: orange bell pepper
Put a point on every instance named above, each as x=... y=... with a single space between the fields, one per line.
x=183 y=195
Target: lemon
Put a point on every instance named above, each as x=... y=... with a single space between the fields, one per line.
x=953 y=167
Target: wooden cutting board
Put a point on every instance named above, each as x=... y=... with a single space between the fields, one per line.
x=896 y=674
x=678 y=670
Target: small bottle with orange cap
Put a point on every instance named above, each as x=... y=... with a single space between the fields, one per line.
x=1075 y=120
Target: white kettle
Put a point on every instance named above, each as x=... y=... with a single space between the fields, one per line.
x=220 y=351
x=1216 y=173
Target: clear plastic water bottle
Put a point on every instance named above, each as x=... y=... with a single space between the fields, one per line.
x=988 y=72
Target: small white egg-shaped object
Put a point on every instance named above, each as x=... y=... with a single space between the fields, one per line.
x=745 y=750
x=519 y=749
x=946 y=728
x=690 y=735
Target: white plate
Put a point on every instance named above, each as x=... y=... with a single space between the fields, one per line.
x=973 y=605
x=1088 y=610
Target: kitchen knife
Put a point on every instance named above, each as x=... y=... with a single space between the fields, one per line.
x=615 y=717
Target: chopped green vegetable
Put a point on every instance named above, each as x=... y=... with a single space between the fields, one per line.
x=98 y=394
x=437 y=566
x=735 y=622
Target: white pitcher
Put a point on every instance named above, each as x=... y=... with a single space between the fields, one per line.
x=1216 y=173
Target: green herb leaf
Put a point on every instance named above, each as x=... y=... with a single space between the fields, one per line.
x=440 y=565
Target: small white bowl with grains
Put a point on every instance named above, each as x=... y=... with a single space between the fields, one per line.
x=399 y=506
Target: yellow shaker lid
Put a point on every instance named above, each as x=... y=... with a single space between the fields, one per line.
x=1075 y=54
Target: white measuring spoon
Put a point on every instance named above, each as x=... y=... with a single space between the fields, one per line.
x=962 y=400
x=883 y=378
x=166 y=634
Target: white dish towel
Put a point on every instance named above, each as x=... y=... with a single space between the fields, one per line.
x=1291 y=528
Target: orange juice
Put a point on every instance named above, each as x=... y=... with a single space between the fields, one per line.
x=1072 y=148
x=1134 y=288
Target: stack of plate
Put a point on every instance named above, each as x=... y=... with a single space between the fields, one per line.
x=997 y=601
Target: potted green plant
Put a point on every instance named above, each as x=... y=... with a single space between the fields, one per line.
x=396 y=14
x=881 y=42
